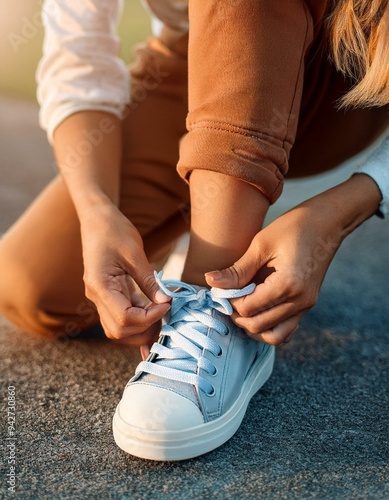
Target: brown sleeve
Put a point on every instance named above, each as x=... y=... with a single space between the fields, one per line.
x=246 y=68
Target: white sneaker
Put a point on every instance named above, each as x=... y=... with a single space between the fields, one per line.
x=191 y=394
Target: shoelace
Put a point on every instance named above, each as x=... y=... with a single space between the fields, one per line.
x=185 y=337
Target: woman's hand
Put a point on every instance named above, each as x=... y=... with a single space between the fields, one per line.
x=112 y=248
x=289 y=259
x=114 y=259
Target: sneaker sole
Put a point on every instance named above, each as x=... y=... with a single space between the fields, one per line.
x=195 y=441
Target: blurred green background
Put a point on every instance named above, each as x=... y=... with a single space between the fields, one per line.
x=21 y=37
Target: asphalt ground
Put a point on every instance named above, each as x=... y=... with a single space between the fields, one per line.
x=317 y=429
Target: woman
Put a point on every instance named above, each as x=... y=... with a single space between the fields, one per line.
x=263 y=97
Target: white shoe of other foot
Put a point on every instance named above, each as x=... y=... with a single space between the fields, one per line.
x=192 y=392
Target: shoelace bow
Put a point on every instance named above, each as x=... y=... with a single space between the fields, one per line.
x=185 y=337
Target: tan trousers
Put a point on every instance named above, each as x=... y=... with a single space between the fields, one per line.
x=260 y=102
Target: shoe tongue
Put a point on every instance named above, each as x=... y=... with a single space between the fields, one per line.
x=169 y=342
x=196 y=287
x=186 y=389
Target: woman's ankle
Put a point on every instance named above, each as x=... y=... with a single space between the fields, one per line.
x=222 y=225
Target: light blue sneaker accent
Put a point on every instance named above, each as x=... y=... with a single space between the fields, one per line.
x=191 y=393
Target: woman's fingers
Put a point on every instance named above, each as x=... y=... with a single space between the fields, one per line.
x=268 y=319
x=280 y=333
x=265 y=297
x=242 y=271
x=132 y=336
x=144 y=340
x=272 y=302
x=290 y=336
x=121 y=318
x=279 y=287
x=143 y=275
x=273 y=311
x=123 y=314
x=132 y=321
x=144 y=351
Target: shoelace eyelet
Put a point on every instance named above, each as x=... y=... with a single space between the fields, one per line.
x=214 y=373
x=211 y=394
x=186 y=298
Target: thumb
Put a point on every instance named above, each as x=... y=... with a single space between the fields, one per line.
x=143 y=276
x=240 y=273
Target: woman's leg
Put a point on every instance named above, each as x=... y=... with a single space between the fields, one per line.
x=226 y=213
x=41 y=287
x=245 y=87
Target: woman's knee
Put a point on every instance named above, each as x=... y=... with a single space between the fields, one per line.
x=36 y=305
x=20 y=302
x=31 y=309
x=21 y=299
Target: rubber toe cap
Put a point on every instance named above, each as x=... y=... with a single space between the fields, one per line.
x=154 y=408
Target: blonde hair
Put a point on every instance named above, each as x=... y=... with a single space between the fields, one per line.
x=359 y=39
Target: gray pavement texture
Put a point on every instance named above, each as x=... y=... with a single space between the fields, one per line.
x=317 y=429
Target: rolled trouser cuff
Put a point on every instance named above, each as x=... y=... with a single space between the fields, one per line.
x=258 y=159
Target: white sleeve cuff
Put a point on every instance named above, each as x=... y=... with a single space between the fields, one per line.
x=80 y=68
x=64 y=110
x=377 y=167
